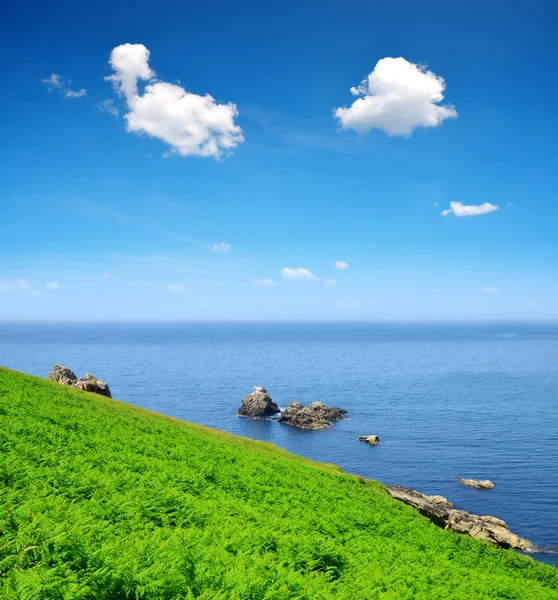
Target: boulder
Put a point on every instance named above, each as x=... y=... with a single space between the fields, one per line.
x=258 y=404
x=314 y=416
x=439 y=510
x=62 y=375
x=373 y=440
x=483 y=484
x=89 y=383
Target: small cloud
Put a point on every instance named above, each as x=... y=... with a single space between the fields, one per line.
x=396 y=98
x=339 y=264
x=192 y=125
x=106 y=276
x=298 y=274
x=57 y=83
x=21 y=285
x=436 y=204
x=330 y=281
x=509 y=205
x=472 y=210
x=109 y=107
x=491 y=290
x=265 y=282
x=52 y=286
x=222 y=247
x=176 y=288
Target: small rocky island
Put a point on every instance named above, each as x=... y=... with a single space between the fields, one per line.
x=442 y=512
x=483 y=484
x=317 y=415
x=89 y=383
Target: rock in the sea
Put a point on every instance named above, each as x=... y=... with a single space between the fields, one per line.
x=439 y=510
x=314 y=416
x=373 y=440
x=89 y=383
x=258 y=404
x=483 y=484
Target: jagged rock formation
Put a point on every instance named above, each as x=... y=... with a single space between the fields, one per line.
x=89 y=383
x=483 y=484
x=258 y=404
x=373 y=440
x=315 y=416
x=439 y=510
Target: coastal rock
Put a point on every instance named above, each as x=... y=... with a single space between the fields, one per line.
x=373 y=440
x=258 y=404
x=483 y=484
x=439 y=510
x=89 y=383
x=314 y=416
x=62 y=375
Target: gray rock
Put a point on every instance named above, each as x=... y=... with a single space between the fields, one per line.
x=258 y=404
x=314 y=416
x=89 y=383
x=373 y=440
x=439 y=510
x=483 y=484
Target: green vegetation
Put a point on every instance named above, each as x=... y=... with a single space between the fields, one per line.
x=101 y=500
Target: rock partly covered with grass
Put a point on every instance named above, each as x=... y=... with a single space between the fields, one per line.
x=314 y=416
x=483 y=484
x=258 y=404
x=439 y=510
x=89 y=383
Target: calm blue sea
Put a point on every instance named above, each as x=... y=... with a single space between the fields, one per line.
x=447 y=400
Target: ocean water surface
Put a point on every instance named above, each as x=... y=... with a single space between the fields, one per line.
x=447 y=400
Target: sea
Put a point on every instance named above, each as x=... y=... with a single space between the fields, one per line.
x=447 y=400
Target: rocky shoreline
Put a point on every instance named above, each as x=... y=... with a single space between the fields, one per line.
x=89 y=383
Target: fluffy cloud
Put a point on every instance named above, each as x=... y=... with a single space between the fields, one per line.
x=57 y=83
x=396 y=97
x=191 y=125
x=491 y=290
x=330 y=281
x=265 y=282
x=222 y=247
x=176 y=288
x=339 y=264
x=298 y=274
x=52 y=286
x=462 y=210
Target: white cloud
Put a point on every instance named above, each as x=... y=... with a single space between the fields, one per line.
x=57 y=83
x=491 y=290
x=339 y=264
x=222 y=247
x=20 y=285
x=109 y=107
x=52 y=286
x=397 y=97
x=176 y=288
x=298 y=274
x=330 y=281
x=190 y=124
x=463 y=210
x=265 y=282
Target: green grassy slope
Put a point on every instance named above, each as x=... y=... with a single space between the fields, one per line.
x=102 y=500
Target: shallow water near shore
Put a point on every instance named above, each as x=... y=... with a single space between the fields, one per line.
x=447 y=400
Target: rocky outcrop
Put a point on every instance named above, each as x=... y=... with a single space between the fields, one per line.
x=258 y=404
x=314 y=416
x=373 y=440
x=439 y=510
x=89 y=383
x=483 y=484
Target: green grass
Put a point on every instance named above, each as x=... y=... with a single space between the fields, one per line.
x=102 y=500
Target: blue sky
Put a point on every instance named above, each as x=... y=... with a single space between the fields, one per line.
x=238 y=206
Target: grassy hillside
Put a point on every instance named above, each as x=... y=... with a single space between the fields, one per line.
x=101 y=500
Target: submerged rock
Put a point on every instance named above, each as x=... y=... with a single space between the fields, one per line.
x=314 y=416
x=483 y=484
x=258 y=404
x=439 y=510
x=373 y=440
x=89 y=383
